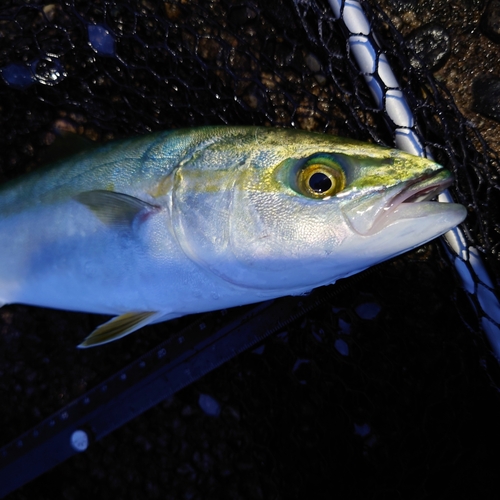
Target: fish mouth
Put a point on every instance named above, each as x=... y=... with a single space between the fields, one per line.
x=423 y=189
x=409 y=200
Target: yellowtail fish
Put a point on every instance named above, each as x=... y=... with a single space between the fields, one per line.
x=179 y=222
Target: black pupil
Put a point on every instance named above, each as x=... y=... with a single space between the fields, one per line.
x=320 y=182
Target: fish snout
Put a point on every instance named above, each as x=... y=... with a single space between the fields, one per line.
x=375 y=210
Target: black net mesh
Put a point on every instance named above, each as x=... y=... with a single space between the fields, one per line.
x=377 y=405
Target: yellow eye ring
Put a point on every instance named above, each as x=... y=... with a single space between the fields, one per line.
x=318 y=180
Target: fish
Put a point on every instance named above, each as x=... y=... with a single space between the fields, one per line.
x=185 y=221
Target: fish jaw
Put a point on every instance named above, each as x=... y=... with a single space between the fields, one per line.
x=369 y=213
x=402 y=229
x=402 y=218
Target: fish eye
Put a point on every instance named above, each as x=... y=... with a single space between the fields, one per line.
x=319 y=182
x=320 y=178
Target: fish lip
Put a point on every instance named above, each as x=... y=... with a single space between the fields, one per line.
x=418 y=190
x=424 y=188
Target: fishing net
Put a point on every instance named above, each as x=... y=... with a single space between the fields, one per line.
x=371 y=393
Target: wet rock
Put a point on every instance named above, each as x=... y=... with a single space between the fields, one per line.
x=404 y=5
x=490 y=21
x=486 y=95
x=431 y=44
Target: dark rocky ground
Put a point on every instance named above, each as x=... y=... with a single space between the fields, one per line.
x=401 y=405
x=463 y=42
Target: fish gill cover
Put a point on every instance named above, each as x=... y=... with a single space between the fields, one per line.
x=362 y=392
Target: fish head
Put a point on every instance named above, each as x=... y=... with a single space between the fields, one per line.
x=287 y=211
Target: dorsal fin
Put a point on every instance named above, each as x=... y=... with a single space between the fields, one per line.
x=114 y=209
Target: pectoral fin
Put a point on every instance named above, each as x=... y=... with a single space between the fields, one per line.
x=114 y=209
x=119 y=327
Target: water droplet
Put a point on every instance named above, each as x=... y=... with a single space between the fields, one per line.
x=17 y=75
x=48 y=71
x=209 y=405
x=362 y=430
x=368 y=310
x=79 y=440
x=342 y=347
x=101 y=40
x=344 y=326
